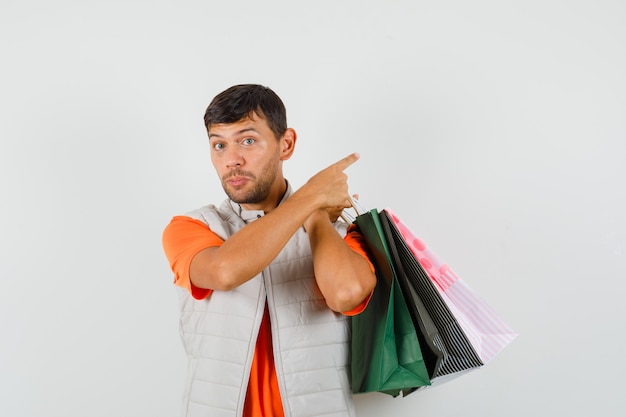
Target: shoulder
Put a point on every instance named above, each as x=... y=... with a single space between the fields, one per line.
x=211 y=214
x=221 y=220
x=205 y=213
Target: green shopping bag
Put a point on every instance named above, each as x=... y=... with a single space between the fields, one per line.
x=386 y=355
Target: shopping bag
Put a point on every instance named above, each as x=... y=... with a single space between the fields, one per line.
x=386 y=355
x=487 y=331
x=459 y=354
x=431 y=344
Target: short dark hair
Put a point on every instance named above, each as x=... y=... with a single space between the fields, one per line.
x=240 y=101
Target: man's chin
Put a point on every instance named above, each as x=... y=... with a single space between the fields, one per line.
x=240 y=197
x=249 y=195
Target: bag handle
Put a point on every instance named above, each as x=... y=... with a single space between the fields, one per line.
x=358 y=208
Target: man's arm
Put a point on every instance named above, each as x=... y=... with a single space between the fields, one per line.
x=343 y=276
x=247 y=252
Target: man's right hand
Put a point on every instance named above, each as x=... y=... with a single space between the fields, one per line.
x=329 y=187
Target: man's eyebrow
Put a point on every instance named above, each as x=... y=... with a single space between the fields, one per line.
x=239 y=132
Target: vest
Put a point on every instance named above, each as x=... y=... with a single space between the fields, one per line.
x=311 y=342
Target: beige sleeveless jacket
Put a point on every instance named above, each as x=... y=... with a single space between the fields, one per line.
x=311 y=342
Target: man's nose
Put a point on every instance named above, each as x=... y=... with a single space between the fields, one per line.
x=234 y=158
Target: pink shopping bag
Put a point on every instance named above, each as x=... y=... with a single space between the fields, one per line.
x=485 y=329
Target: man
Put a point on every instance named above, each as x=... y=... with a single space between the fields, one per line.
x=269 y=278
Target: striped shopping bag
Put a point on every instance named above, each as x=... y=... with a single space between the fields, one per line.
x=459 y=355
x=488 y=333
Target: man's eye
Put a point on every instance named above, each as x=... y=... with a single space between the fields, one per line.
x=218 y=146
x=248 y=141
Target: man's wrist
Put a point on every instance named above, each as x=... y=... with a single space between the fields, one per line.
x=318 y=215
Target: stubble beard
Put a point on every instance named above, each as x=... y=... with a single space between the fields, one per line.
x=261 y=189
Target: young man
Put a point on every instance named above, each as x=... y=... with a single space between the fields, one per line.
x=269 y=278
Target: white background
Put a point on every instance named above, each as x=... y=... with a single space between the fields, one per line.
x=496 y=130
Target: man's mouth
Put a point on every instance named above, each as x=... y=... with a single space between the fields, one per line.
x=237 y=180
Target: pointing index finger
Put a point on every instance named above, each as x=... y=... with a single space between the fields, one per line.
x=344 y=163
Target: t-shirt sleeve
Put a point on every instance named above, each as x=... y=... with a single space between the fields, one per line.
x=356 y=242
x=183 y=238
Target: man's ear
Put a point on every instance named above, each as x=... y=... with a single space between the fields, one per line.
x=288 y=144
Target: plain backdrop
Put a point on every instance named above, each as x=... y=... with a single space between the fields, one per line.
x=495 y=129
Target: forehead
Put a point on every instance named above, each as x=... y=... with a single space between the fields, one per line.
x=252 y=122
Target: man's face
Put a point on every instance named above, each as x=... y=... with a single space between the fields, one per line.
x=246 y=156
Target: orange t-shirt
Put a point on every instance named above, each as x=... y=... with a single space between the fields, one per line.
x=183 y=238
